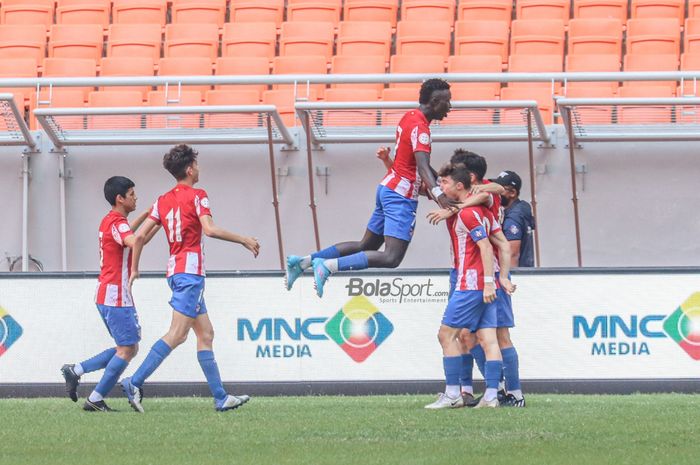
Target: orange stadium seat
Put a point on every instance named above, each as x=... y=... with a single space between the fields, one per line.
x=257 y=11
x=23 y=41
x=364 y=38
x=482 y=37
x=358 y=65
x=61 y=97
x=651 y=63
x=593 y=114
x=656 y=9
x=71 y=67
x=76 y=41
x=192 y=40
x=109 y=99
x=653 y=36
x=691 y=38
x=83 y=12
x=249 y=40
x=693 y=8
x=475 y=64
x=135 y=40
x=307 y=38
x=543 y=97
x=351 y=117
x=183 y=98
x=689 y=62
x=598 y=36
x=122 y=66
x=314 y=10
x=199 y=12
x=18 y=68
x=371 y=10
x=645 y=115
x=489 y=10
x=535 y=64
x=232 y=97
x=186 y=66
x=27 y=12
x=284 y=101
x=413 y=38
x=613 y=9
x=242 y=66
x=592 y=64
x=427 y=64
x=539 y=37
x=543 y=9
x=397 y=94
x=300 y=65
x=139 y=12
x=428 y=10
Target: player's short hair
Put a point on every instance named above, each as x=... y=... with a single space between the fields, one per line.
x=178 y=159
x=458 y=172
x=429 y=86
x=117 y=185
x=473 y=161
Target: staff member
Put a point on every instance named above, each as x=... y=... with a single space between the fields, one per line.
x=518 y=223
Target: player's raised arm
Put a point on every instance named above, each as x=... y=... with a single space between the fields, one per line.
x=138 y=221
x=384 y=154
x=426 y=173
x=214 y=231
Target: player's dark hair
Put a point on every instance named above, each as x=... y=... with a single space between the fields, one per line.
x=430 y=86
x=117 y=185
x=458 y=172
x=178 y=159
x=474 y=162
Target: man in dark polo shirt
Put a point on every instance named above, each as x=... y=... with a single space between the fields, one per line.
x=518 y=223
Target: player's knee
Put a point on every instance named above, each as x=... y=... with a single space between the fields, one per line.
x=127 y=352
x=206 y=337
x=503 y=336
x=467 y=339
x=393 y=261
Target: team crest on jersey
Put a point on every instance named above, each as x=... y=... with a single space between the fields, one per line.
x=513 y=229
x=205 y=202
x=123 y=228
x=424 y=139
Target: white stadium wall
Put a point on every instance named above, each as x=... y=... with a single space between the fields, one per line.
x=636 y=200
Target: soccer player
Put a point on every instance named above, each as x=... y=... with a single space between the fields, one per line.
x=518 y=223
x=471 y=305
x=394 y=217
x=113 y=296
x=184 y=214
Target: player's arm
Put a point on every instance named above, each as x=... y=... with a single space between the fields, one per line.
x=138 y=221
x=498 y=240
x=473 y=200
x=212 y=230
x=383 y=153
x=486 y=252
x=426 y=173
x=490 y=188
x=435 y=216
x=136 y=243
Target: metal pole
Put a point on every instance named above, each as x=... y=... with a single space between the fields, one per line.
x=533 y=195
x=275 y=202
x=312 y=196
x=574 y=190
x=62 y=199
x=25 y=211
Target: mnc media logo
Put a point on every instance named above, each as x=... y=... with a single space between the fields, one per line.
x=10 y=331
x=683 y=326
x=359 y=328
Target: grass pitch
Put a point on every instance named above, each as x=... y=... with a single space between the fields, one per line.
x=553 y=429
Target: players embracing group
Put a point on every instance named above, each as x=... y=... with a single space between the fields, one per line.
x=475 y=325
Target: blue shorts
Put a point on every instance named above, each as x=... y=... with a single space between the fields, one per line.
x=505 y=308
x=394 y=215
x=122 y=324
x=188 y=294
x=467 y=309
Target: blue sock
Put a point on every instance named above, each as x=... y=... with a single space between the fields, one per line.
x=480 y=358
x=99 y=361
x=155 y=357
x=452 y=367
x=211 y=372
x=493 y=370
x=356 y=261
x=465 y=375
x=329 y=252
x=511 y=368
x=114 y=369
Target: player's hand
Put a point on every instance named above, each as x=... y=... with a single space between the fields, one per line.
x=251 y=244
x=435 y=216
x=383 y=153
x=489 y=292
x=507 y=286
x=477 y=189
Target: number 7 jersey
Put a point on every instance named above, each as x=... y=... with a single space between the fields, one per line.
x=178 y=211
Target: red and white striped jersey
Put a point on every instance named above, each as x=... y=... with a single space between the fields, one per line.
x=412 y=135
x=115 y=262
x=469 y=226
x=178 y=211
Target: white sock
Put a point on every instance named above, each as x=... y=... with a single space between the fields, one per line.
x=518 y=394
x=305 y=262
x=452 y=391
x=95 y=396
x=490 y=394
x=332 y=264
x=468 y=389
x=78 y=369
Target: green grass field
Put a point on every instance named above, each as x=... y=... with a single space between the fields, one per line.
x=553 y=429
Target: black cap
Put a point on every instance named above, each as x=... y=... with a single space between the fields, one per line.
x=509 y=178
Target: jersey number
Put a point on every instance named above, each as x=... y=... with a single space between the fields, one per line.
x=174 y=225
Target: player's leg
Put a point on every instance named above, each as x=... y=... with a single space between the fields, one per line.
x=466 y=340
x=204 y=331
x=486 y=335
x=511 y=369
x=451 y=364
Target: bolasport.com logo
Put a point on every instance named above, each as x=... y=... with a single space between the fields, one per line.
x=358 y=328
x=397 y=290
x=10 y=331
x=615 y=335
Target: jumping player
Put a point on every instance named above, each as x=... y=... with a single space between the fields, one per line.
x=184 y=214
x=113 y=296
x=394 y=217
